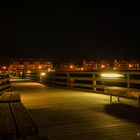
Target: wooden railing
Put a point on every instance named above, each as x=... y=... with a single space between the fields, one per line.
x=92 y=81
x=4 y=83
x=33 y=76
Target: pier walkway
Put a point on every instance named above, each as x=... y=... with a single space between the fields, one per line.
x=65 y=114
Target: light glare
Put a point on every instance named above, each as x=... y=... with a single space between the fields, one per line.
x=111 y=75
x=43 y=74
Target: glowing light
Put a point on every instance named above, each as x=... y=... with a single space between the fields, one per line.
x=114 y=68
x=130 y=66
x=49 y=69
x=111 y=75
x=71 y=66
x=42 y=73
x=102 y=66
x=28 y=71
x=4 y=67
x=39 y=67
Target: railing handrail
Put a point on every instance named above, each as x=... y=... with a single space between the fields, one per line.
x=93 y=80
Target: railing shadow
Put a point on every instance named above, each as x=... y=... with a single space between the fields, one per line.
x=124 y=111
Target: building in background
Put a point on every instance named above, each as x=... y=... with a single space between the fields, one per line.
x=95 y=65
x=4 y=68
x=89 y=65
x=68 y=67
x=30 y=65
x=85 y=66
x=103 y=65
x=44 y=65
x=120 y=65
x=133 y=65
x=126 y=65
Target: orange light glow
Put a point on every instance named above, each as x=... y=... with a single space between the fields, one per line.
x=4 y=67
x=114 y=68
x=39 y=67
x=102 y=66
x=82 y=69
x=71 y=66
x=49 y=69
x=28 y=71
x=130 y=66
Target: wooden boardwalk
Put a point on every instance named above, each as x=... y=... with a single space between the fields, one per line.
x=75 y=115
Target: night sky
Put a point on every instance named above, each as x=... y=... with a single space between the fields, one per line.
x=70 y=31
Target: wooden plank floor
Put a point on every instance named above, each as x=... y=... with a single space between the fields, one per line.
x=75 y=115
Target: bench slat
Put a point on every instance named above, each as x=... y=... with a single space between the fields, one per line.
x=7 y=126
x=122 y=92
x=15 y=97
x=5 y=97
x=25 y=124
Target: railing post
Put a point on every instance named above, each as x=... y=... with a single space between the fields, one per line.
x=94 y=81
x=68 y=80
x=51 y=78
x=138 y=102
x=128 y=77
x=118 y=98
x=110 y=98
x=53 y=75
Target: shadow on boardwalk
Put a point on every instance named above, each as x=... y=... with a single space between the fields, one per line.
x=124 y=111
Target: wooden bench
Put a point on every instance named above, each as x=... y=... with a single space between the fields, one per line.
x=25 y=124
x=15 y=121
x=7 y=125
x=123 y=92
x=7 y=97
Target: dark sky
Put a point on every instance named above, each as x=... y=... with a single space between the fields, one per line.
x=70 y=31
